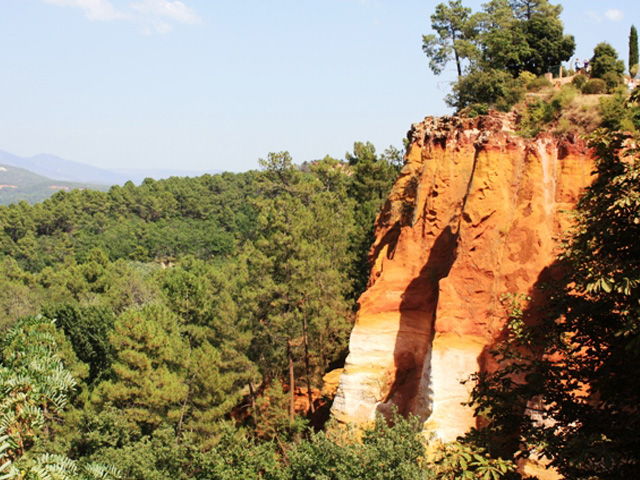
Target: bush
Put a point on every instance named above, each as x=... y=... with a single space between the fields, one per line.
x=561 y=99
x=525 y=78
x=579 y=80
x=496 y=88
x=472 y=111
x=616 y=113
x=594 y=86
x=537 y=115
x=612 y=79
x=538 y=84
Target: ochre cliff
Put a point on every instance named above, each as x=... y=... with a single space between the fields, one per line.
x=475 y=214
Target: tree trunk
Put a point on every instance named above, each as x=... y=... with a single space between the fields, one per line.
x=252 y=395
x=183 y=410
x=306 y=362
x=292 y=382
x=455 y=52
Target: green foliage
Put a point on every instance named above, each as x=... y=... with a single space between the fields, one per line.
x=59 y=467
x=186 y=301
x=501 y=42
x=158 y=220
x=23 y=185
x=605 y=60
x=456 y=31
x=475 y=110
x=615 y=112
x=633 y=51
x=33 y=382
x=147 y=384
x=538 y=84
x=235 y=457
x=301 y=309
x=565 y=390
x=491 y=87
x=458 y=460
x=383 y=452
x=595 y=86
x=579 y=80
x=612 y=80
x=87 y=328
x=536 y=115
x=524 y=36
x=526 y=78
x=371 y=181
x=35 y=386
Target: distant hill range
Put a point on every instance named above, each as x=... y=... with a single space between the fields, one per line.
x=35 y=178
x=17 y=184
x=57 y=168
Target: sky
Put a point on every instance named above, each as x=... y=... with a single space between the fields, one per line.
x=218 y=84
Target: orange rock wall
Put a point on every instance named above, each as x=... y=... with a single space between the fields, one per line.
x=474 y=214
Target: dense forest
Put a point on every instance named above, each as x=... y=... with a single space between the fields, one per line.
x=181 y=328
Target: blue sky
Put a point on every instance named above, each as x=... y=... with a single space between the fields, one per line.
x=208 y=84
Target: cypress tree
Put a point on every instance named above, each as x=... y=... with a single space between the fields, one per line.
x=633 y=51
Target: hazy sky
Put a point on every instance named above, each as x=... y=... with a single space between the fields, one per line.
x=203 y=84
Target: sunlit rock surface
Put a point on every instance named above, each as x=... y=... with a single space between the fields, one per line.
x=474 y=215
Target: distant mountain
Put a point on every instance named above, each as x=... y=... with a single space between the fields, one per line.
x=56 y=168
x=17 y=184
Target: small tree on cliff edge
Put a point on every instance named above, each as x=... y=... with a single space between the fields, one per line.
x=633 y=51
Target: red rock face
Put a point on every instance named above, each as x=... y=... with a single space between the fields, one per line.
x=474 y=215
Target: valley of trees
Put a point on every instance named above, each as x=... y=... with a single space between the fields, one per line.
x=181 y=328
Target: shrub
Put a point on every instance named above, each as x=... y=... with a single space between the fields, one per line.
x=616 y=113
x=534 y=117
x=538 y=114
x=525 y=78
x=579 y=80
x=561 y=99
x=472 y=111
x=496 y=88
x=538 y=84
x=564 y=126
x=594 y=86
x=612 y=79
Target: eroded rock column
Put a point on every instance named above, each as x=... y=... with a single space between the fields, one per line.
x=474 y=215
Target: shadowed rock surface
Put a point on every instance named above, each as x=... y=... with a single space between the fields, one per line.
x=475 y=214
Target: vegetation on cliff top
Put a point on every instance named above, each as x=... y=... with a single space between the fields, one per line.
x=500 y=54
x=492 y=48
